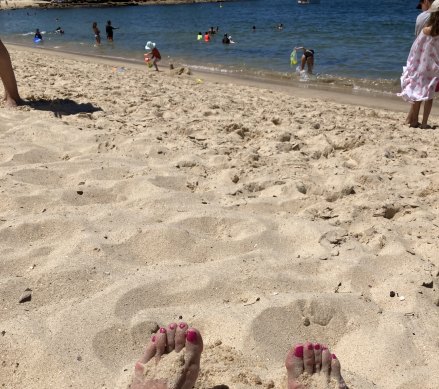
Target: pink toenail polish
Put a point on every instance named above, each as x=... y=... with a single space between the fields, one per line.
x=162 y=330
x=182 y=325
x=171 y=326
x=324 y=348
x=153 y=339
x=310 y=347
x=316 y=346
x=298 y=351
x=192 y=336
x=333 y=356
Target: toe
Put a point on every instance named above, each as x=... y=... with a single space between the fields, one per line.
x=317 y=357
x=194 y=348
x=336 y=372
x=294 y=364
x=180 y=336
x=161 y=339
x=170 y=337
x=326 y=361
x=150 y=350
x=308 y=358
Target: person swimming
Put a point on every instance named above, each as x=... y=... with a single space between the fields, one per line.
x=199 y=36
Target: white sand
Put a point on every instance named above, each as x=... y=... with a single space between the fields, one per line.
x=242 y=210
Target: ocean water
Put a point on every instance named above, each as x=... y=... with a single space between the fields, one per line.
x=355 y=42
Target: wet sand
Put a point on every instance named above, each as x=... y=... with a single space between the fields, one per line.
x=260 y=213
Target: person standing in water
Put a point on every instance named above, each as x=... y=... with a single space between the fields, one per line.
x=109 y=30
x=97 y=33
x=307 y=59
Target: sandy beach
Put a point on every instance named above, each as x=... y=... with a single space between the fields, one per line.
x=263 y=215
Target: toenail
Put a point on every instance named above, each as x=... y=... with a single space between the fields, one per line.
x=333 y=356
x=316 y=346
x=192 y=336
x=310 y=347
x=171 y=326
x=162 y=330
x=324 y=348
x=153 y=339
x=182 y=325
x=298 y=351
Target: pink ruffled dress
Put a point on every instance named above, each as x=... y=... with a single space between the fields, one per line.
x=421 y=74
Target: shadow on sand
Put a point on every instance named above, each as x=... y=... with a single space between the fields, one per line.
x=61 y=107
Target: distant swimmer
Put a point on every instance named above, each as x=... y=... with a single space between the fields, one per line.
x=254 y=28
x=206 y=37
x=226 y=39
x=307 y=59
x=109 y=30
x=199 y=36
x=280 y=26
x=59 y=30
x=97 y=33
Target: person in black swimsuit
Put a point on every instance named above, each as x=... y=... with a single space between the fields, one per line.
x=307 y=59
x=109 y=30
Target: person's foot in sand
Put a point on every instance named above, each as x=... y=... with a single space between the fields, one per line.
x=174 y=337
x=307 y=361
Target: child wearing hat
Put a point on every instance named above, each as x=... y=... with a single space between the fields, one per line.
x=153 y=55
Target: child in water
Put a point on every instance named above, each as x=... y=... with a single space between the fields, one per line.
x=420 y=77
x=153 y=55
x=97 y=33
x=38 y=35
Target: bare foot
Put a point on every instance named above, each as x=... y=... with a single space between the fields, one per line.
x=172 y=338
x=10 y=102
x=312 y=359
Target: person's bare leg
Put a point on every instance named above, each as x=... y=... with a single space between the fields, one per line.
x=310 y=63
x=7 y=75
x=155 y=65
x=416 y=106
x=302 y=62
x=312 y=359
x=173 y=338
x=427 y=109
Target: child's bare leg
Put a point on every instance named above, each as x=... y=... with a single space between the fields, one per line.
x=7 y=75
x=416 y=106
x=155 y=65
x=427 y=109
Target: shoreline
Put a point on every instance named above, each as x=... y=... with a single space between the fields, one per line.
x=296 y=88
x=20 y=4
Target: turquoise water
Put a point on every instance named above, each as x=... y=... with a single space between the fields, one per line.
x=361 y=39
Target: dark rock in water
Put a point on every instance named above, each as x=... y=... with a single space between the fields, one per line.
x=26 y=296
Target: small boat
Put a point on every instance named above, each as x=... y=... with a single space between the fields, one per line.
x=308 y=1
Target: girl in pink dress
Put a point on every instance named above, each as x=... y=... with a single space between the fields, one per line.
x=420 y=76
